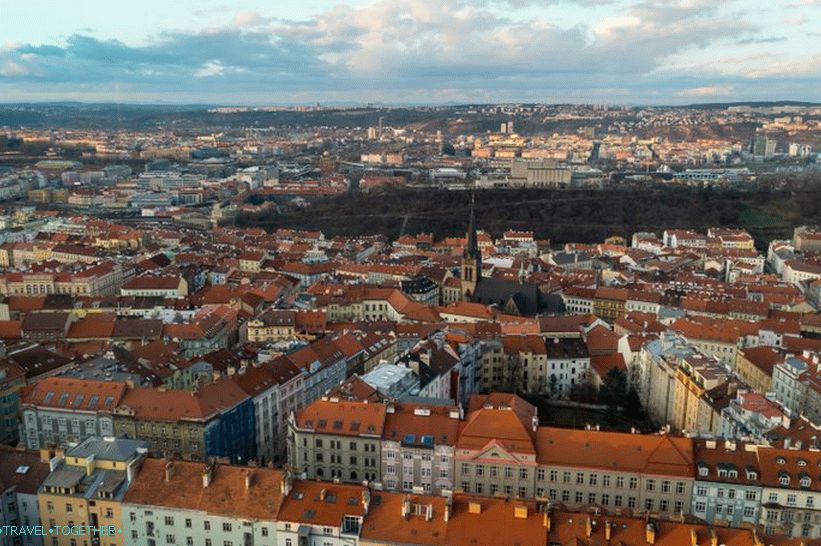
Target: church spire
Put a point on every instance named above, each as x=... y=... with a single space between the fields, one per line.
x=472 y=247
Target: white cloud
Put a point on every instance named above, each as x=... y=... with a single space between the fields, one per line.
x=707 y=91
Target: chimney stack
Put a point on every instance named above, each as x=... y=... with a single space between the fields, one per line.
x=588 y=526
x=693 y=536
x=650 y=533
x=208 y=473
x=607 y=530
x=366 y=500
x=169 y=471
x=713 y=537
x=286 y=484
x=249 y=476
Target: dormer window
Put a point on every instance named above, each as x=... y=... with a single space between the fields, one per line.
x=805 y=482
x=732 y=474
x=802 y=462
x=784 y=479
x=703 y=470
x=781 y=460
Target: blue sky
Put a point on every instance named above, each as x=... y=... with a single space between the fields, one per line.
x=410 y=51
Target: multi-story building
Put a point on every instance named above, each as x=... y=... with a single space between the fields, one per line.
x=791 y=493
x=275 y=388
x=614 y=471
x=727 y=489
x=797 y=384
x=418 y=448
x=496 y=448
x=186 y=503
x=62 y=411
x=272 y=325
x=21 y=475
x=12 y=379
x=167 y=286
x=754 y=366
x=338 y=439
x=86 y=487
x=215 y=421
x=314 y=513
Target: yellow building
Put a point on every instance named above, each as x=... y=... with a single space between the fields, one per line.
x=754 y=366
x=85 y=488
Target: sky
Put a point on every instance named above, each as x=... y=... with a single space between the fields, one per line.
x=263 y=52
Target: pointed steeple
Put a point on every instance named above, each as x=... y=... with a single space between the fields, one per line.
x=472 y=247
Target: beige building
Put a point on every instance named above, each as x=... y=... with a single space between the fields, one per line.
x=754 y=366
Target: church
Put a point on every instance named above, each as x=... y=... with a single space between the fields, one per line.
x=513 y=297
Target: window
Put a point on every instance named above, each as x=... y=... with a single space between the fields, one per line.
x=634 y=483
x=523 y=473
x=701 y=491
x=540 y=474
x=679 y=506
x=579 y=478
x=701 y=506
x=791 y=500
x=169 y=520
x=169 y=539
x=566 y=477
x=189 y=541
x=593 y=479
x=605 y=499
x=188 y=523
x=663 y=505
x=565 y=496
x=618 y=500
x=206 y=525
x=648 y=504
x=605 y=481
x=466 y=469
x=579 y=497
x=620 y=482
x=651 y=485
x=665 y=486
x=523 y=492
x=591 y=498
x=554 y=475
x=749 y=511
x=480 y=470
x=69 y=508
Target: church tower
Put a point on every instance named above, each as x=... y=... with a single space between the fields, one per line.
x=472 y=258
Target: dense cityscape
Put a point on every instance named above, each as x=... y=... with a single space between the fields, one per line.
x=371 y=273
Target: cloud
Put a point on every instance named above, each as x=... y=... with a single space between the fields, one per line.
x=419 y=50
x=708 y=91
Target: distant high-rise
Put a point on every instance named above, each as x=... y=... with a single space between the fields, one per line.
x=763 y=146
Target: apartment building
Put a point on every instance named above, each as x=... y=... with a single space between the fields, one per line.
x=418 y=453
x=614 y=471
x=21 y=475
x=727 y=489
x=86 y=486
x=496 y=448
x=204 y=504
x=338 y=439
x=61 y=411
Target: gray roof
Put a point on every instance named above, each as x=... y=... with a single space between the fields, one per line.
x=65 y=477
x=109 y=449
x=494 y=290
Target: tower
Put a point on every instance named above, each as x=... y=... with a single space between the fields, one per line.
x=472 y=257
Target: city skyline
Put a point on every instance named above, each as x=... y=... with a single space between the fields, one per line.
x=582 y=51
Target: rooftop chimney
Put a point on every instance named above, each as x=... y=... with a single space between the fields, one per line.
x=474 y=507
x=286 y=483
x=208 y=473
x=322 y=494
x=588 y=526
x=713 y=537
x=169 y=471
x=249 y=476
x=650 y=533
x=406 y=505
x=693 y=536
x=608 y=532
x=366 y=500
x=520 y=511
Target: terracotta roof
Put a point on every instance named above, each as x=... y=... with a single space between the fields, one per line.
x=226 y=495
x=662 y=455
x=173 y=405
x=762 y=357
x=75 y=394
x=384 y=523
x=21 y=471
x=479 y=521
x=501 y=418
x=321 y=503
x=343 y=418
